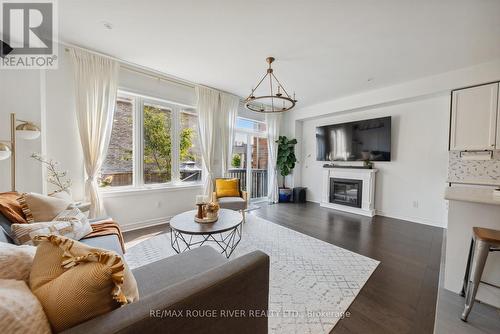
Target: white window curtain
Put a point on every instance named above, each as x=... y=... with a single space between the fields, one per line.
x=96 y=83
x=229 y=110
x=207 y=107
x=273 y=132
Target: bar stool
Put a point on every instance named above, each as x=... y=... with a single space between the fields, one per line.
x=484 y=241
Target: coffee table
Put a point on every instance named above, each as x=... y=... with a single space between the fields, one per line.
x=225 y=232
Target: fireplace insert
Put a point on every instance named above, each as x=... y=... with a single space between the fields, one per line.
x=346 y=192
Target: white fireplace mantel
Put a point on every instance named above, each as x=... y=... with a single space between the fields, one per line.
x=367 y=176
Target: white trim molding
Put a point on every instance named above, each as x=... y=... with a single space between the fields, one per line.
x=411 y=219
x=134 y=191
x=146 y=223
x=367 y=176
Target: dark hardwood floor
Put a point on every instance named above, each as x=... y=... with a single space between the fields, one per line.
x=400 y=296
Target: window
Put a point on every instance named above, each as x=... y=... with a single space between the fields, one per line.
x=259 y=152
x=118 y=166
x=157 y=157
x=190 y=154
x=153 y=142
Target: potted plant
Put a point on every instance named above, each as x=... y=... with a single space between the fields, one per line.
x=236 y=161
x=286 y=163
x=368 y=164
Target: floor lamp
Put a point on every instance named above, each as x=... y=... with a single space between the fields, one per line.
x=25 y=130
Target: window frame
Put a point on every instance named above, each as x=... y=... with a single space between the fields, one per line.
x=252 y=132
x=138 y=184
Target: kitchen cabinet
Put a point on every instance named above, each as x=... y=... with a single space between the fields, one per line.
x=474 y=118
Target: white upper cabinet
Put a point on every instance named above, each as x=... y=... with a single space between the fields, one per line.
x=474 y=113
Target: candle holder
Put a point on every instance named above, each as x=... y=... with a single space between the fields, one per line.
x=199 y=214
x=207 y=213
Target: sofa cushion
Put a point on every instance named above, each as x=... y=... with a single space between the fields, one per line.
x=157 y=275
x=232 y=203
x=75 y=282
x=5 y=234
x=20 y=310
x=15 y=261
x=108 y=242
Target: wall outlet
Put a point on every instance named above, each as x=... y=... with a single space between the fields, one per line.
x=158 y=204
x=415 y=204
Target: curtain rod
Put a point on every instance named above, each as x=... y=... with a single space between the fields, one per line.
x=136 y=67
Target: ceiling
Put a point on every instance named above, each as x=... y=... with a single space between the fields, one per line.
x=324 y=48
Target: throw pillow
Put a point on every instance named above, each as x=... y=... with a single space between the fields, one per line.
x=20 y=310
x=227 y=187
x=41 y=208
x=15 y=261
x=62 y=195
x=72 y=214
x=75 y=282
x=11 y=209
x=71 y=223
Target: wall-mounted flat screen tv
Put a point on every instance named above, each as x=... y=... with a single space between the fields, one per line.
x=355 y=141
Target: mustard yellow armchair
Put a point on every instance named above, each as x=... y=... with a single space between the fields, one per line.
x=237 y=203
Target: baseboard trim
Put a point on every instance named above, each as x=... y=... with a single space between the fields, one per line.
x=345 y=208
x=411 y=219
x=146 y=223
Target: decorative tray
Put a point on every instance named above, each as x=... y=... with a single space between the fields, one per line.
x=205 y=220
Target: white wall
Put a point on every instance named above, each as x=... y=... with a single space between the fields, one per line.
x=146 y=207
x=135 y=82
x=418 y=167
x=20 y=93
x=62 y=140
x=437 y=84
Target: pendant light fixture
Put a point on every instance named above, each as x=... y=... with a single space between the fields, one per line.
x=276 y=100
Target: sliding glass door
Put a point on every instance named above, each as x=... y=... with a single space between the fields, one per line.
x=239 y=159
x=258 y=167
x=250 y=158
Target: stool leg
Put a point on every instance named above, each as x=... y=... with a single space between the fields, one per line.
x=481 y=250
x=467 y=268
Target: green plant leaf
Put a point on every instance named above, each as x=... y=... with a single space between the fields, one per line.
x=286 y=156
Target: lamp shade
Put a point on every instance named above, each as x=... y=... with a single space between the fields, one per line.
x=28 y=131
x=4 y=151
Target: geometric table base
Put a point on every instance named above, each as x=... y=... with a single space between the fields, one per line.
x=227 y=241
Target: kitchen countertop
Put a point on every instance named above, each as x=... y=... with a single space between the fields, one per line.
x=482 y=195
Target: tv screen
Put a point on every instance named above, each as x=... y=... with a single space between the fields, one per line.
x=355 y=141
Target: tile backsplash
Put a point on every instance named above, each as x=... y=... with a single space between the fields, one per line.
x=474 y=171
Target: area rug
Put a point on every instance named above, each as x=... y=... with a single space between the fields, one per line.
x=312 y=283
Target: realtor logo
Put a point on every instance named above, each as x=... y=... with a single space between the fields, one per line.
x=28 y=28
